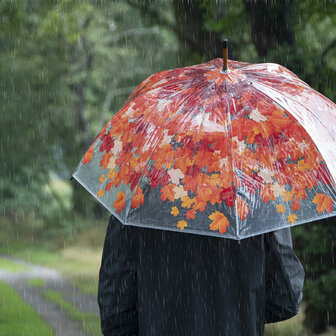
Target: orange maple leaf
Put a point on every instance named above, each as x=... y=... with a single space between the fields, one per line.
x=168 y=192
x=300 y=194
x=324 y=202
x=181 y=224
x=279 y=120
x=199 y=205
x=204 y=193
x=183 y=163
x=215 y=196
x=204 y=158
x=88 y=155
x=100 y=193
x=214 y=180
x=292 y=218
x=101 y=179
x=175 y=211
x=187 y=202
x=242 y=208
x=280 y=208
x=138 y=197
x=191 y=214
x=117 y=180
x=120 y=201
x=265 y=128
x=190 y=183
x=219 y=222
x=302 y=166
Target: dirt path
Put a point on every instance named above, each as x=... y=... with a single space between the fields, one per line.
x=60 y=322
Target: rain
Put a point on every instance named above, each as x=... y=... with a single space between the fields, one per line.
x=145 y=189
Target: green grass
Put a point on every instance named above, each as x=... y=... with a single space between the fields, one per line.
x=76 y=256
x=90 y=322
x=12 y=267
x=17 y=318
x=36 y=282
x=291 y=327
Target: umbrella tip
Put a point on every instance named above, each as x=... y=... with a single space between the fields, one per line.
x=225 y=56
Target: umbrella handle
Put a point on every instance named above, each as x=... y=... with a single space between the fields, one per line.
x=225 y=56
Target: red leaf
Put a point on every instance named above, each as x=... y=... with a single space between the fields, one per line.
x=107 y=144
x=296 y=205
x=191 y=214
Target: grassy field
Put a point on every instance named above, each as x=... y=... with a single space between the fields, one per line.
x=17 y=317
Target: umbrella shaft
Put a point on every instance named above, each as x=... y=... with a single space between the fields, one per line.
x=225 y=55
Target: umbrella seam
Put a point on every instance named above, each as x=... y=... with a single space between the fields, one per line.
x=232 y=166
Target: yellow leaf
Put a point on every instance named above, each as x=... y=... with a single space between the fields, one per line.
x=292 y=218
x=280 y=208
x=175 y=211
x=100 y=193
x=102 y=178
x=181 y=224
x=288 y=195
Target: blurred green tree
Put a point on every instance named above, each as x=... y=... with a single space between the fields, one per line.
x=67 y=67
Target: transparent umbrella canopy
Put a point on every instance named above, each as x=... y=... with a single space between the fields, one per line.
x=224 y=148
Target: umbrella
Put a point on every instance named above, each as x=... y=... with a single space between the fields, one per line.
x=223 y=148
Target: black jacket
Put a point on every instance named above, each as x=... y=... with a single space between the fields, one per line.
x=164 y=283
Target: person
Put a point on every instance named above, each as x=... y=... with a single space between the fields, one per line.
x=165 y=283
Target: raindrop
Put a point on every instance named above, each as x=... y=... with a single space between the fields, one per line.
x=112 y=26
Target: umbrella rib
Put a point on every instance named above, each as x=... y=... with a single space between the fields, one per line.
x=231 y=159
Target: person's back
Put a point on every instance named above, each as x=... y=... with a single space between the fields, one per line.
x=170 y=283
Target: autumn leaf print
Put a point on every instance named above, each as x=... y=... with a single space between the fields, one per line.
x=138 y=197
x=181 y=224
x=174 y=211
x=324 y=203
x=280 y=208
x=291 y=218
x=219 y=222
x=119 y=203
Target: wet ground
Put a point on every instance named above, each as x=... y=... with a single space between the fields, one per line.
x=53 y=314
